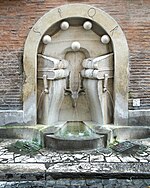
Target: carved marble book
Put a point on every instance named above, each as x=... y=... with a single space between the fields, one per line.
x=53 y=74
x=96 y=74
x=104 y=62
x=51 y=63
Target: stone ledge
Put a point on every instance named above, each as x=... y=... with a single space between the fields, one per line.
x=13 y=117
x=14 y=172
x=22 y=168
x=139 y=117
x=35 y=172
x=102 y=168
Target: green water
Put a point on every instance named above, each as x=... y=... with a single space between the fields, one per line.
x=74 y=129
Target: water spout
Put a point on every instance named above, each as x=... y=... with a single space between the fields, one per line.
x=74 y=97
x=105 y=82
x=45 y=81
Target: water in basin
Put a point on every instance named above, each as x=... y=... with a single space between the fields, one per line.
x=75 y=135
x=75 y=129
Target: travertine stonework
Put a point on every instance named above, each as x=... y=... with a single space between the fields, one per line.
x=100 y=101
x=18 y=17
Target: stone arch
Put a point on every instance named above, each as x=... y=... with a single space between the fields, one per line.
x=120 y=49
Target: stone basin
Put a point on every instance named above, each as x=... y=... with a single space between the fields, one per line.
x=75 y=136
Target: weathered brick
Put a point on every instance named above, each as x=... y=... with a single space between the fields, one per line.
x=18 y=17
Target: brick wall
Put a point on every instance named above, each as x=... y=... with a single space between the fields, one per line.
x=18 y=17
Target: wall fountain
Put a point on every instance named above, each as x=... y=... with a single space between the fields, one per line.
x=75 y=84
x=76 y=68
x=75 y=91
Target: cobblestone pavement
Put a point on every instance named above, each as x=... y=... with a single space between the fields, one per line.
x=94 y=156
x=80 y=183
x=18 y=170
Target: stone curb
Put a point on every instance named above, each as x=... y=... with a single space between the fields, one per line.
x=35 y=172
